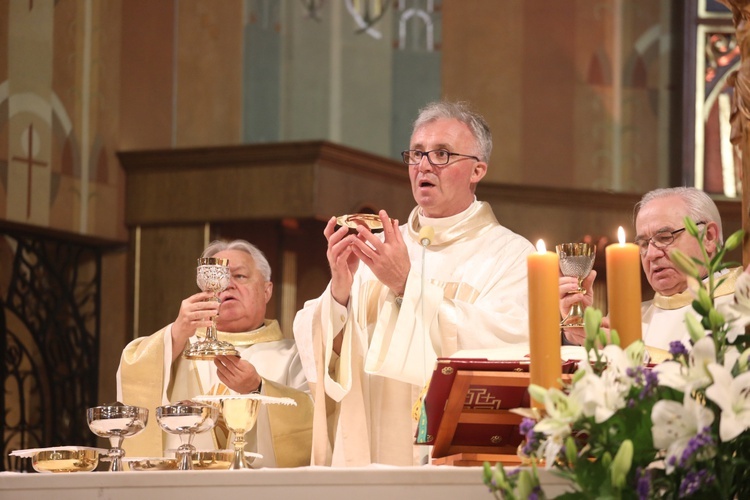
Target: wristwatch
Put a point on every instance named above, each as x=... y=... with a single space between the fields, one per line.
x=260 y=386
x=399 y=300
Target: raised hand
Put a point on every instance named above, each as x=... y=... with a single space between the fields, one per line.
x=388 y=259
x=195 y=312
x=342 y=261
x=237 y=374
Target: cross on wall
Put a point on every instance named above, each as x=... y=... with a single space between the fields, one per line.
x=30 y=162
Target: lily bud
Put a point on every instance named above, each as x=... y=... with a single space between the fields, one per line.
x=715 y=318
x=704 y=299
x=571 y=451
x=525 y=484
x=695 y=328
x=691 y=227
x=537 y=392
x=621 y=464
x=592 y=320
x=614 y=337
x=684 y=263
x=742 y=362
x=735 y=240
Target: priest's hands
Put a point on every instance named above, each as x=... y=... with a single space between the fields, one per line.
x=195 y=312
x=237 y=374
x=388 y=259
x=342 y=261
x=569 y=296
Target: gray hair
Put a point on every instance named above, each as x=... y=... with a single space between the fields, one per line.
x=261 y=262
x=701 y=208
x=459 y=111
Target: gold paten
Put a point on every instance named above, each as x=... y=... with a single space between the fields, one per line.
x=370 y=221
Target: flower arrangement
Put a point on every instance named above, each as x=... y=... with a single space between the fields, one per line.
x=623 y=429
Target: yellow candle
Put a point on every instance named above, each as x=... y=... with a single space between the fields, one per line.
x=624 y=289
x=544 y=318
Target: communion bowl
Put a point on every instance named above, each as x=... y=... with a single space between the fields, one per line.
x=116 y=420
x=62 y=458
x=186 y=417
x=150 y=463
x=212 y=459
x=351 y=221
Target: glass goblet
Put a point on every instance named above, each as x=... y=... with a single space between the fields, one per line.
x=577 y=260
x=212 y=276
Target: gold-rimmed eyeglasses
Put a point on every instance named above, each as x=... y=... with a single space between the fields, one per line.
x=660 y=240
x=436 y=157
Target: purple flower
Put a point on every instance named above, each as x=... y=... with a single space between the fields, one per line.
x=694 y=481
x=698 y=443
x=530 y=437
x=677 y=349
x=643 y=483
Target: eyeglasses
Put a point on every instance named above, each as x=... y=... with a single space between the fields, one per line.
x=660 y=240
x=436 y=157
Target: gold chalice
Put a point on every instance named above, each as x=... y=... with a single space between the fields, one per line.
x=212 y=276
x=240 y=412
x=576 y=259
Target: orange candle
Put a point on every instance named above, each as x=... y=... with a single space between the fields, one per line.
x=544 y=318
x=624 y=289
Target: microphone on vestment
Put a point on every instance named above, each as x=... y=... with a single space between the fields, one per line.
x=426 y=235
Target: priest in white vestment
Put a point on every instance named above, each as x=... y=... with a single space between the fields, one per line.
x=451 y=278
x=660 y=228
x=153 y=371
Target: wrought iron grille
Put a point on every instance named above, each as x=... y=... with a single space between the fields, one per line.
x=49 y=337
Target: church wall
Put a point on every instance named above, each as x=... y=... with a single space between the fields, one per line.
x=124 y=75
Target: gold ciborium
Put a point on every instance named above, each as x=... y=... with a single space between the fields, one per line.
x=116 y=422
x=576 y=259
x=212 y=276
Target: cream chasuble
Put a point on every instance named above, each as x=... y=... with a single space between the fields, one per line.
x=473 y=295
x=664 y=317
x=147 y=378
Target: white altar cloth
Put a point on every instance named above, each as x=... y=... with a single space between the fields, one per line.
x=307 y=483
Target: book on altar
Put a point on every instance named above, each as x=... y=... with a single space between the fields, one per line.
x=492 y=425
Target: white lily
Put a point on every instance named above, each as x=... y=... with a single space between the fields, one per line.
x=693 y=376
x=600 y=397
x=562 y=412
x=738 y=312
x=732 y=395
x=674 y=424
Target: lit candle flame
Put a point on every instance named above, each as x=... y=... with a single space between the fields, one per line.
x=621 y=235
x=540 y=247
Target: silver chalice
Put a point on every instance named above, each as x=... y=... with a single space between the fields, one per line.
x=116 y=422
x=577 y=260
x=186 y=419
x=212 y=276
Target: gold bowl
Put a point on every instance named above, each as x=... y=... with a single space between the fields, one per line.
x=150 y=463
x=212 y=459
x=62 y=458
x=370 y=221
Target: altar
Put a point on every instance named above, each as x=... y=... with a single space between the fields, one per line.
x=363 y=483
